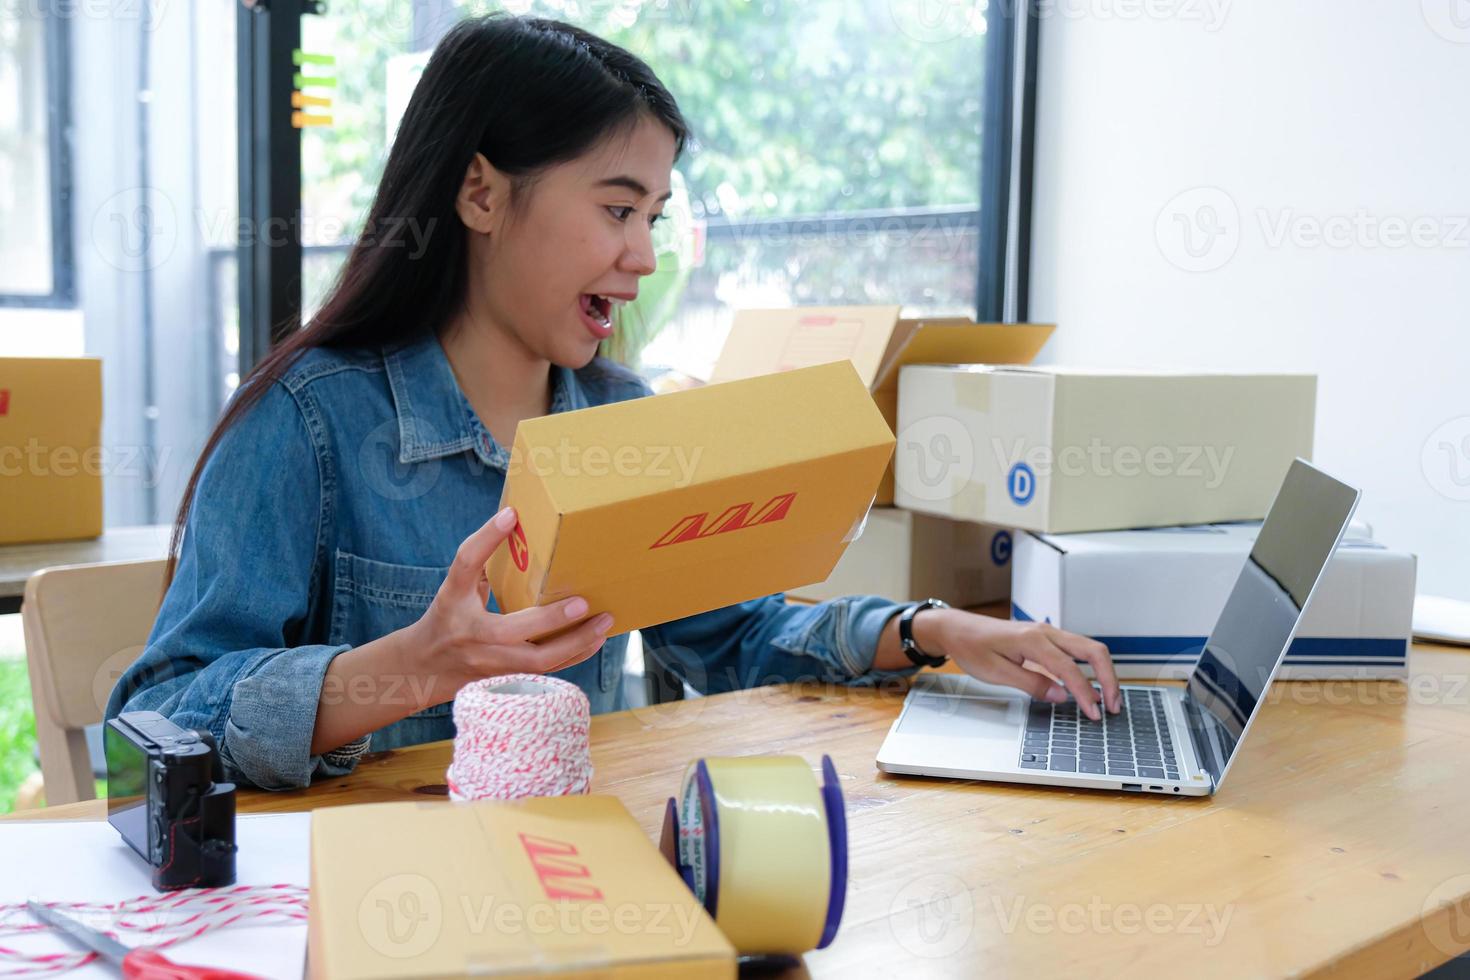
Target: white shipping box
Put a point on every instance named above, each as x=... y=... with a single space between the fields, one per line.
x=1152 y=596
x=1066 y=449
x=907 y=556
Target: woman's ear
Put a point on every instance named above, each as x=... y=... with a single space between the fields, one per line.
x=483 y=196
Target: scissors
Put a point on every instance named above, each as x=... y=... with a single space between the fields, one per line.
x=143 y=963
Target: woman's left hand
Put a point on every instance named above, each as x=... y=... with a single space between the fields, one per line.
x=997 y=651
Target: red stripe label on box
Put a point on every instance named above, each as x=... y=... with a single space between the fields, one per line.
x=556 y=869
x=734 y=518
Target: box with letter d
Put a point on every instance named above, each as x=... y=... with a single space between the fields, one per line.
x=1060 y=450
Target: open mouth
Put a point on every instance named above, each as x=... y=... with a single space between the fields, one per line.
x=597 y=310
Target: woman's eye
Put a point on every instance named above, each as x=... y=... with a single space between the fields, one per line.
x=624 y=212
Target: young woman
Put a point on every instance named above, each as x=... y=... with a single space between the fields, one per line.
x=327 y=594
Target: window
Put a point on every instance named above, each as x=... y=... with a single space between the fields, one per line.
x=837 y=157
x=836 y=160
x=35 y=219
x=117 y=191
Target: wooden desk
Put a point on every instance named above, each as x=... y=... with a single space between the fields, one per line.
x=1339 y=844
x=19 y=562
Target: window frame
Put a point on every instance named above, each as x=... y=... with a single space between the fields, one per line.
x=63 y=295
x=1009 y=106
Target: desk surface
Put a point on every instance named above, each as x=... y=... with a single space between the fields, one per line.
x=19 y=561
x=1339 y=843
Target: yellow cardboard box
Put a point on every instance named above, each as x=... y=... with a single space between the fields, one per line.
x=50 y=448
x=876 y=341
x=566 y=885
x=663 y=507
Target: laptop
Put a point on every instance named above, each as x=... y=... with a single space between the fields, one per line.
x=1171 y=740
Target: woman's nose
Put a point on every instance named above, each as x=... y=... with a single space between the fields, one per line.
x=638 y=256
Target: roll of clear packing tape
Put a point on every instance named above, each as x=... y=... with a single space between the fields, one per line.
x=763 y=848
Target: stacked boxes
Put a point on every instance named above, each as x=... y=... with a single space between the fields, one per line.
x=900 y=555
x=1123 y=486
x=1113 y=503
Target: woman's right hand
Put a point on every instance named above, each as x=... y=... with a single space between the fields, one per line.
x=460 y=641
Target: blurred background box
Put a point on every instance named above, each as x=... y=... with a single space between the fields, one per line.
x=50 y=448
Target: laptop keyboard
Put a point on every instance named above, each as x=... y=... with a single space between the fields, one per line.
x=1134 y=742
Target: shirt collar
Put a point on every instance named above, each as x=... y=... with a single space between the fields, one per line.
x=435 y=418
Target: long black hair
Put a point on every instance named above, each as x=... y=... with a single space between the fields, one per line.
x=528 y=93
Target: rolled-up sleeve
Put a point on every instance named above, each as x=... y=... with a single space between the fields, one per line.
x=225 y=653
x=770 y=641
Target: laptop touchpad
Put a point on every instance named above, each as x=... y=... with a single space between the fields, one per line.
x=956 y=717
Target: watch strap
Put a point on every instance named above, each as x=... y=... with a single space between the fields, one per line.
x=911 y=648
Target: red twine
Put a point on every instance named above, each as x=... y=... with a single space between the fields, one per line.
x=520 y=735
x=159 y=921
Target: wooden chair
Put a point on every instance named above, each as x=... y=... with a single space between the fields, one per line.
x=84 y=625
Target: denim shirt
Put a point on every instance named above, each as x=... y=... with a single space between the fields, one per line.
x=327 y=517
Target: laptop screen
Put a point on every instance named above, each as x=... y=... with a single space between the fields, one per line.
x=1253 y=632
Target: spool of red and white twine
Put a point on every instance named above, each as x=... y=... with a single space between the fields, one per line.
x=520 y=735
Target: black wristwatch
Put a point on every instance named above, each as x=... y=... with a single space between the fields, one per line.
x=906 y=634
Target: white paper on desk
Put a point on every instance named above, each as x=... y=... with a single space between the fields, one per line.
x=88 y=861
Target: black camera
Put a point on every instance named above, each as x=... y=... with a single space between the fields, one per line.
x=167 y=796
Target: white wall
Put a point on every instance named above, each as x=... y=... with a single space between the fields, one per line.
x=1345 y=117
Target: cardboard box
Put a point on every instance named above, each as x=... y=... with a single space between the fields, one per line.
x=877 y=343
x=1060 y=450
x=50 y=448
x=663 y=507
x=907 y=556
x=566 y=885
x=1154 y=595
